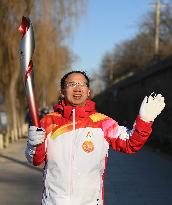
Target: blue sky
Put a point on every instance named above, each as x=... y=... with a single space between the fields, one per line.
x=106 y=23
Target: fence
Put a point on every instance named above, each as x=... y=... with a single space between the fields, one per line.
x=10 y=136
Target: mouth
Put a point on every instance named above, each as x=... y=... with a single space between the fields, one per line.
x=77 y=96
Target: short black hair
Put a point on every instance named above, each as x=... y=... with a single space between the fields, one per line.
x=63 y=79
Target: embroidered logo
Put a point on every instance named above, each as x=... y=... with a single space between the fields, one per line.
x=88 y=145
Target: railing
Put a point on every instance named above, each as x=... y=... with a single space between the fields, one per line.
x=11 y=136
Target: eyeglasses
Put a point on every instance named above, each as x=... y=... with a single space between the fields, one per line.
x=74 y=84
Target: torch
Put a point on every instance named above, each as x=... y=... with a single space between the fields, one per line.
x=27 y=45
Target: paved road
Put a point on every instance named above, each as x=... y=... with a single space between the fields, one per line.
x=20 y=183
x=141 y=179
x=144 y=178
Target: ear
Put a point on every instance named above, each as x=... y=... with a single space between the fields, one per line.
x=89 y=93
x=62 y=93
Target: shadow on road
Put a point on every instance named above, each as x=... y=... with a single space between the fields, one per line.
x=21 y=162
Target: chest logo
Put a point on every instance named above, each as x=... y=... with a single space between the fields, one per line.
x=88 y=145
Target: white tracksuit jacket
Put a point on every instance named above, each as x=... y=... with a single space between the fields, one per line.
x=75 y=151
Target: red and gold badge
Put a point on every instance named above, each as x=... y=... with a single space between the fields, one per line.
x=88 y=146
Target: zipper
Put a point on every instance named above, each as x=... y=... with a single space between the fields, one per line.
x=72 y=153
x=73 y=118
x=74 y=129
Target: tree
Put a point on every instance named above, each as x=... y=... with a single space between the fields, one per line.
x=9 y=65
x=50 y=57
x=135 y=54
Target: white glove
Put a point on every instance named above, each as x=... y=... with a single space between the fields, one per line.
x=151 y=107
x=36 y=135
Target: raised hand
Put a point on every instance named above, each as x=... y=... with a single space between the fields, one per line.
x=151 y=107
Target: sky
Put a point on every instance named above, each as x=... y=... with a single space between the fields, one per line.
x=105 y=24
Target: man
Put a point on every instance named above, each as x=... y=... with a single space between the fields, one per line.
x=74 y=141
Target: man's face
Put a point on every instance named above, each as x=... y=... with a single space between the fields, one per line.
x=76 y=90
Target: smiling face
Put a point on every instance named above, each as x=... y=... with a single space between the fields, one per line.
x=76 y=90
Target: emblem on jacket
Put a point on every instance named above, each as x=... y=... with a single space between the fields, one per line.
x=88 y=145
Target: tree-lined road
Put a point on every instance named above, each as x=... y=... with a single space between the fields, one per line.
x=141 y=179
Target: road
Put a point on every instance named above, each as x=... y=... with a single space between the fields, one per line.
x=144 y=178
x=20 y=183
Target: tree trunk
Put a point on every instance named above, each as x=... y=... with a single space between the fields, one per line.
x=13 y=103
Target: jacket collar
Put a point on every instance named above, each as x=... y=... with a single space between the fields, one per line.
x=80 y=112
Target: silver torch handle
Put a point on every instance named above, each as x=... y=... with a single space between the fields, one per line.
x=27 y=45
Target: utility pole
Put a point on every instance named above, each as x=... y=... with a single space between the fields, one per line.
x=158 y=5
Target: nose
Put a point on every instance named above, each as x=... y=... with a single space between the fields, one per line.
x=77 y=88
